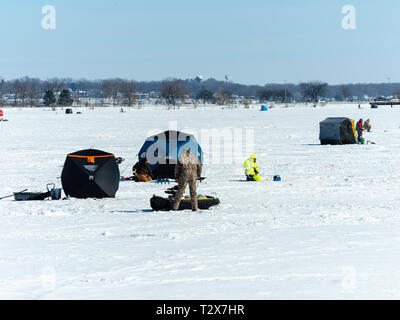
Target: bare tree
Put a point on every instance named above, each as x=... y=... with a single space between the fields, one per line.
x=2 y=91
x=105 y=90
x=54 y=85
x=205 y=96
x=274 y=95
x=14 y=90
x=346 y=93
x=224 y=97
x=23 y=90
x=115 y=87
x=77 y=98
x=313 y=90
x=33 y=91
x=172 y=91
x=110 y=88
x=19 y=89
x=128 y=90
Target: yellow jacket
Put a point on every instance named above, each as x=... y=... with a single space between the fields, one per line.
x=250 y=166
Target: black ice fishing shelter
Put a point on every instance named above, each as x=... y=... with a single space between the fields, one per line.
x=90 y=174
x=339 y=130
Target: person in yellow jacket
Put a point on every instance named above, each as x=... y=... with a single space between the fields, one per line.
x=251 y=169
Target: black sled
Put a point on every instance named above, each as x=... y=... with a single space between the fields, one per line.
x=159 y=203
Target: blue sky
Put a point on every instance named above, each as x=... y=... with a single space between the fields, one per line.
x=255 y=41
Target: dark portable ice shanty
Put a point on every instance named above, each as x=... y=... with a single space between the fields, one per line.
x=339 y=130
x=90 y=174
x=162 y=151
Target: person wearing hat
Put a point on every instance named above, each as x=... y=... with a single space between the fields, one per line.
x=251 y=169
x=360 y=129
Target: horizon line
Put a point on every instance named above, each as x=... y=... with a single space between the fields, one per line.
x=187 y=79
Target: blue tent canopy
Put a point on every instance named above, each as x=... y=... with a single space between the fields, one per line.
x=162 y=151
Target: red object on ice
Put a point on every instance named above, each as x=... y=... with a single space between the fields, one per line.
x=1 y=113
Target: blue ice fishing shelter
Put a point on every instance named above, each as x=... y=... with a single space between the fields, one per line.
x=162 y=151
x=264 y=108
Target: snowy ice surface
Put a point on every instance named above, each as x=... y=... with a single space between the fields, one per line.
x=328 y=230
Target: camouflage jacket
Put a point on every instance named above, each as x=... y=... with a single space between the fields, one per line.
x=188 y=165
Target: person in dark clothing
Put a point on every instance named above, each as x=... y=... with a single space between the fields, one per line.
x=143 y=171
x=360 y=129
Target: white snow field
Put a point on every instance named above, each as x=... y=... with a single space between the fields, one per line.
x=329 y=230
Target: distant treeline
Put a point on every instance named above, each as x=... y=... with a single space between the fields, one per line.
x=34 y=92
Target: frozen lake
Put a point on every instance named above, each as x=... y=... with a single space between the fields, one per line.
x=328 y=230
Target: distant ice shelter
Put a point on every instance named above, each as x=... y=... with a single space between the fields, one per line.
x=339 y=130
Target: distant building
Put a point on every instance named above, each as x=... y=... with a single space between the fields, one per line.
x=198 y=78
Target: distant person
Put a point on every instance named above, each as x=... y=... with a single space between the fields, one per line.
x=367 y=125
x=251 y=169
x=142 y=171
x=359 y=129
x=187 y=171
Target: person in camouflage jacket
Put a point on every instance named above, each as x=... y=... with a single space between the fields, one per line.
x=187 y=171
